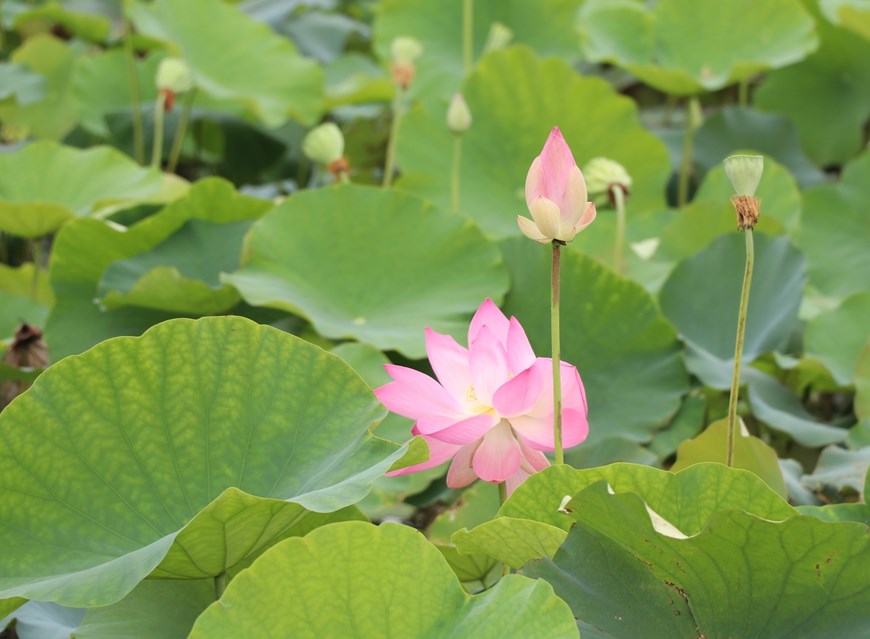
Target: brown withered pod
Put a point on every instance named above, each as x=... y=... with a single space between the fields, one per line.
x=27 y=350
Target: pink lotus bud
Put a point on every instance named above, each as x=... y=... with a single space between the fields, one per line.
x=556 y=195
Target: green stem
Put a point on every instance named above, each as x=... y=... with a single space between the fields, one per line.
x=454 y=173
x=344 y=177
x=36 y=253
x=180 y=132
x=467 y=35
x=619 y=200
x=557 y=353
x=138 y=129
x=733 y=422
x=390 y=164
x=743 y=93
x=220 y=584
x=157 y=149
x=686 y=160
x=502 y=498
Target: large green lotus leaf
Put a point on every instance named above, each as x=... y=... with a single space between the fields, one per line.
x=182 y=273
x=849 y=14
x=532 y=523
x=23 y=300
x=840 y=469
x=261 y=71
x=843 y=512
x=165 y=608
x=862 y=383
x=101 y=86
x=711 y=214
x=777 y=406
x=688 y=422
x=837 y=337
x=86 y=25
x=735 y=129
x=42 y=620
x=750 y=453
x=547 y=26
x=44 y=185
x=833 y=80
x=835 y=234
x=510 y=128
x=702 y=297
x=355 y=79
x=371 y=264
x=179 y=453
x=682 y=49
x=359 y=580
x=19 y=82
x=55 y=115
x=611 y=330
x=631 y=571
x=86 y=250
x=687 y=498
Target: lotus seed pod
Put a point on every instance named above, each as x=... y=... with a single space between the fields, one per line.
x=406 y=50
x=324 y=144
x=174 y=75
x=458 y=115
x=744 y=171
x=499 y=37
x=602 y=175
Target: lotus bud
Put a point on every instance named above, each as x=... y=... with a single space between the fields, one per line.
x=602 y=176
x=405 y=52
x=556 y=195
x=324 y=144
x=173 y=77
x=744 y=172
x=458 y=115
x=499 y=37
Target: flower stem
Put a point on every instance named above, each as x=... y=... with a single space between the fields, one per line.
x=502 y=498
x=180 y=132
x=738 y=349
x=157 y=149
x=220 y=584
x=138 y=129
x=390 y=164
x=686 y=160
x=619 y=200
x=454 y=173
x=743 y=93
x=36 y=250
x=557 y=355
x=467 y=35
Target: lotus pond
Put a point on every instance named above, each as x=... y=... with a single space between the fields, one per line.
x=405 y=318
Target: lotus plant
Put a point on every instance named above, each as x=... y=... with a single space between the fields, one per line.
x=490 y=409
x=556 y=196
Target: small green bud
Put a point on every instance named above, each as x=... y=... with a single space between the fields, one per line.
x=406 y=50
x=174 y=75
x=458 y=115
x=324 y=144
x=744 y=171
x=499 y=37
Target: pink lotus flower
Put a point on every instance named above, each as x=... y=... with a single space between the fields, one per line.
x=491 y=409
x=556 y=195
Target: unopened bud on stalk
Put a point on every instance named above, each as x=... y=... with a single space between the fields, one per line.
x=173 y=77
x=324 y=144
x=603 y=175
x=499 y=37
x=458 y=115
x=744 y=172
x=404 y=51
